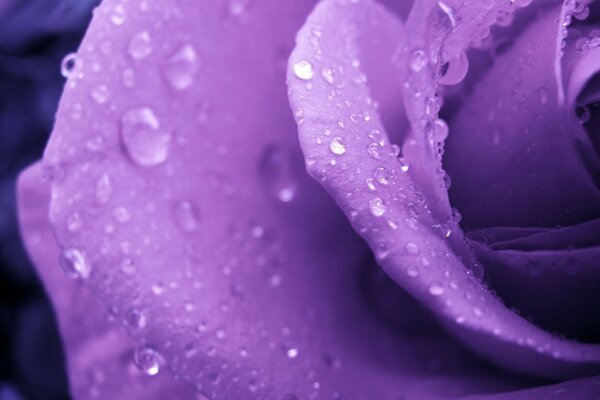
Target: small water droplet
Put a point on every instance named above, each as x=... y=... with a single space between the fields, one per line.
x=70 y=65
x=454 y=71
x=412 y=271
x=117 y=16
x=186 y=216
x=337 y=146
x=304 y=70
x=435 y=289
x=136 y=319
x=180 y=70
x=437 y=130
x=412 y=248
x=74 y=222
x=418 y=60
x=328 y=75
x=292 y=353
x=103 y=189
x=145 y=143
x=147 y=360
x=277 y=169
x=377 y=207
x=374 y=150
x=122 y=215
x=403 y=164
x=75 y=264
x=140 y=45
x=543 y=95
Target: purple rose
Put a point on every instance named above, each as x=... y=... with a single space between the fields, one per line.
x=207 y=263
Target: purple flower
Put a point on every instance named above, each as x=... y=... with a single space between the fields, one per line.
x=178 y=201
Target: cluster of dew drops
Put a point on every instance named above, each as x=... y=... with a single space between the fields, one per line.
x=147 y=144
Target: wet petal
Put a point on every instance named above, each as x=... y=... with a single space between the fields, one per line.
x=517 y=155
x=179 y=198
x=99 y=352
x=398 y=212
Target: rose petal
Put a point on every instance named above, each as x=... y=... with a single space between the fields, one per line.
x=391 y=213
x=518 y=156
x=580 y=389
x=177 y=180
x=99 y=353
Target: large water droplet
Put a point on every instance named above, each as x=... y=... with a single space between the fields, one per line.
x=186 y=216
x=146 y=144
x=147 y=360
x=304 y=70
x=75 y=264
x=140 y=46
x=180 y=70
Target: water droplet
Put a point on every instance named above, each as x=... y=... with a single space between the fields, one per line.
x=328 y=75
x=304 y=70
x=117 y=16
x=140 y=45
x=454 y=71
x=122 y=215
x=374 y=150
x=437 y=130
x=435 y=289
x=377 y=207
x=147 y=360
x=100 y=94
x=412 y=271
x=145 y=143
x=277 y=169
x=292 y=353
x=135 y=319
x=70 y=65
x=238 y=7
x=103 y=189
x=543 y=95
x=412 y=248
x=74 y=222
x=403 y=164
x=418 y=60
x=337 y=146
x=128 y=77
x=186 y=216
x=75 y=264
x=181 y=68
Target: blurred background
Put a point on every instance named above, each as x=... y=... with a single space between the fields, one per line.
x=35 y=35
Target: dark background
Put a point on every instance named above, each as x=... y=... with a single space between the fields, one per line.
x=34 y=37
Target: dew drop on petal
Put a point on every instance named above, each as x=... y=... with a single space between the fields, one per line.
x=103 y=189
x=100 y=94
x=136 y=319
x=455 y=70
x=146 y=144
x=147 y=360
x=186 y=216
x=337 y=146
x=377 y=207
x=412 y=271
x=69 y=65
x=412 y=248
x=75 y=264
x=140 y=45
x=418 y=60
x=292 y=353
x=180 y=70
x=304 y=70
x=435 y=289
